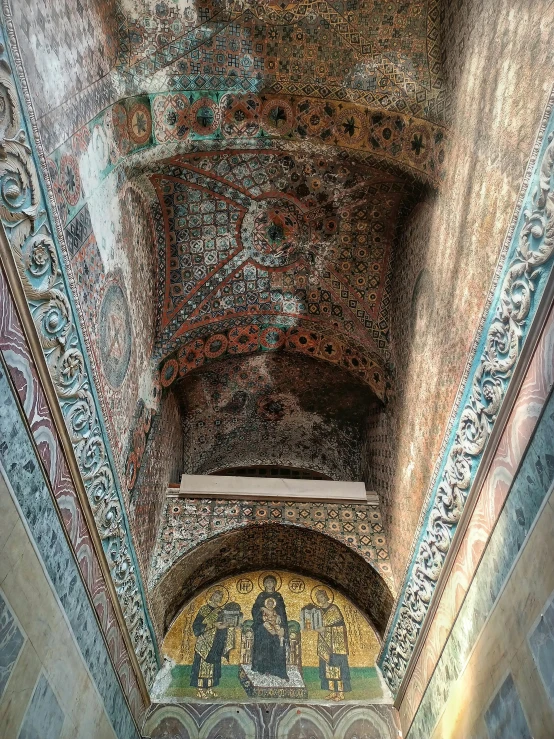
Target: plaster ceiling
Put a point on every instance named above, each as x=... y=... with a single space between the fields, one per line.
x=274 y=408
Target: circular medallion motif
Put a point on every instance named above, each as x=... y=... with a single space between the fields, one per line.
x=275 y=230
x=169 y=372
x=296 y=585
x=244 y=585
x=115 y=335
x=140 y=123
x=121 y=128
x=277 y=117
x=272 y=338
x=216 y=346
x=70 y=179
x=205 y=116
x=351 y=126
x=418 y=146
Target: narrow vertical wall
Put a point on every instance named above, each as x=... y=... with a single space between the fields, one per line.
x=163 y=464
x=495 y=673
x=59 y=673
x=497 y=64
x=45 y=683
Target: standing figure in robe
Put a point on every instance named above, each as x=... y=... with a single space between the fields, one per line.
x=271 y=631
x=214 y=640
x=332 y=649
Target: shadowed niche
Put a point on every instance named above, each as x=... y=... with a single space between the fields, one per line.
x=272 y=546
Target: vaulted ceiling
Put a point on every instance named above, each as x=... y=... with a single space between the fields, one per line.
x=381 y=54
x=262 y=250
x=233 y=178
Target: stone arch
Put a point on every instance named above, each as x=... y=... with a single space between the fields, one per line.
x=227 y=723
x=170 y=721
x=356 y=525
x=362 y=723
x=272 y=546
x=304 y=722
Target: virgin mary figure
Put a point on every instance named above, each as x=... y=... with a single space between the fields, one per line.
x=271 y=631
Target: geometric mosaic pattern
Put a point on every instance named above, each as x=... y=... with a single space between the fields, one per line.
x=383 y=54
x=187 y=522
x=278 y=241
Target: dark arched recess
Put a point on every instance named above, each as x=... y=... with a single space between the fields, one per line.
x=272 y=546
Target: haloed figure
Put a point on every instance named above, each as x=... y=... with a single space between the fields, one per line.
x=332 y=649
x=213 y=641
x=271 y=632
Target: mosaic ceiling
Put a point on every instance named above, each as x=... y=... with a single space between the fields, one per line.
x=231 y=177
x=382 y=55
x=264 y=250
x=378 y=53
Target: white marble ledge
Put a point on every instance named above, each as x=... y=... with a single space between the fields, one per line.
x=259 y=488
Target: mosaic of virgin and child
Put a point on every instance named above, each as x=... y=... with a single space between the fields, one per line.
x=270 y=642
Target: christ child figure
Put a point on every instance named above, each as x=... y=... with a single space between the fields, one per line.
x=272 y=621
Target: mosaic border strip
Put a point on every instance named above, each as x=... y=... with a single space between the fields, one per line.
x=25 y=214
x=186 y=523
x=516 y=298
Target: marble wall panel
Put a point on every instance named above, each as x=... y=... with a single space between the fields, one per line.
x=12 y=639
x=505 y=717
x=271 y=721
x=51 y=669
x=541 y=643
x=489 y=634
x=44 y=717
x=23 y=374
x=519 y=430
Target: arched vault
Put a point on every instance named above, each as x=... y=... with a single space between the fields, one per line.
x=272 y=546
